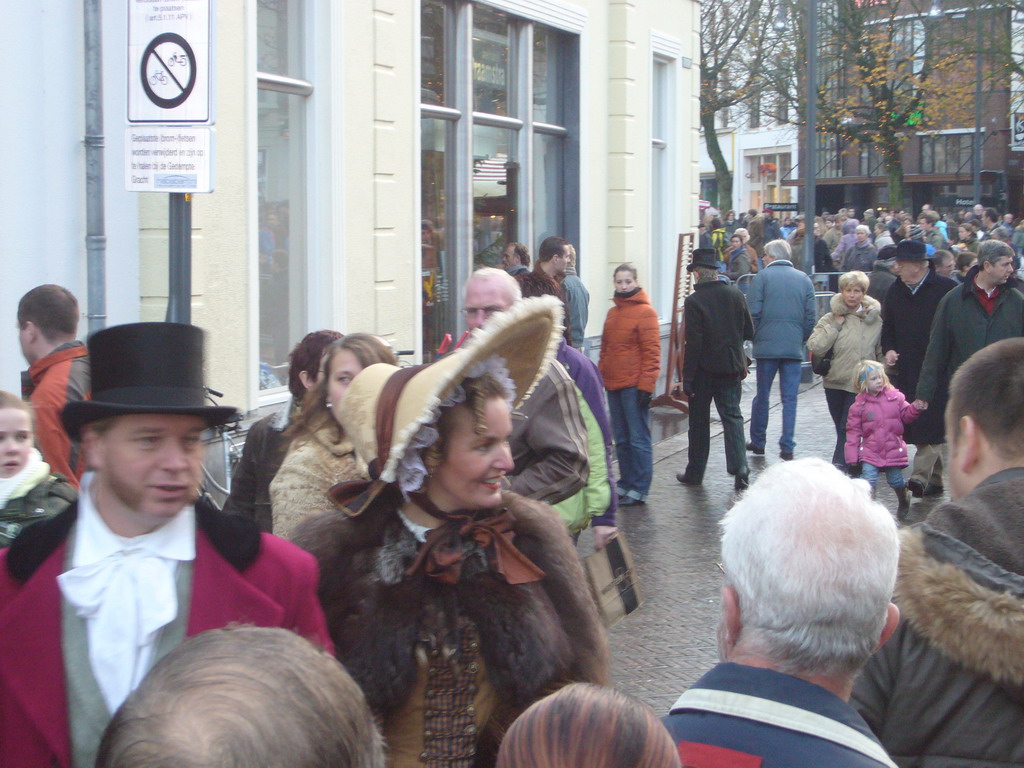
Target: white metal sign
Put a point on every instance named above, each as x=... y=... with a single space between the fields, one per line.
x=169 y=158
x=170 y=55
x=1017 y=135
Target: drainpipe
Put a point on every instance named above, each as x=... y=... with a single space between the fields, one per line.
x=95 y=234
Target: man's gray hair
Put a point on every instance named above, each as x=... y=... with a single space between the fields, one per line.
x=245 y=697
x=488 y=274
x=813 y=561
x=778 y=249
x=993 y=250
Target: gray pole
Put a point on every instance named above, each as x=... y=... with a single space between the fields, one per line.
x=976 y=143
x=810 y=161
x=95 y=232
x=179 y=259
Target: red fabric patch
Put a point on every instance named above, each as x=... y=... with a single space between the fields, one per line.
x=988 y=303
x=707 y=756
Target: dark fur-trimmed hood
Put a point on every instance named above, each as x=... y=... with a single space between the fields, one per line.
x=965 y=605
x=533 y=637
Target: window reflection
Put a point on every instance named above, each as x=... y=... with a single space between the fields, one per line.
x=437 y=271
x=549 y=75
x=432 y=53
x=277 y=29
x=282 y=256
x=549 y=186
x=493 y=175
x=490 y=61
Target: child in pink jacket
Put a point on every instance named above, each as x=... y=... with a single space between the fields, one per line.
x=874 y=431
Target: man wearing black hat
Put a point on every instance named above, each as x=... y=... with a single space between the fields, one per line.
x=92 y=598
x=717 y=324
x=907 y=313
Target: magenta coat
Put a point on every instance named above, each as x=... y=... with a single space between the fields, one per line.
x=239 y=576
x=874 y=428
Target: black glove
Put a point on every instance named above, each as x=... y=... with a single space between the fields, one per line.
x=688 y=388
x=853 y=470
x=644 y=398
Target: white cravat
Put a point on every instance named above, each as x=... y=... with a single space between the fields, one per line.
x=125 y=590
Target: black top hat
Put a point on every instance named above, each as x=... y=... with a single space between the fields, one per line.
x=145 y=368
x=911 y=250
x=703 y=257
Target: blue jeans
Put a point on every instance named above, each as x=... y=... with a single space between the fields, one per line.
x=789 y=387
x=894 y=475
x=631 y=426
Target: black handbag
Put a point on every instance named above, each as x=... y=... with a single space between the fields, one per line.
x=822 y=364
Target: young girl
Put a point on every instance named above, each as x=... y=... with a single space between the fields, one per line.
x=28 y=492
x=874 y=431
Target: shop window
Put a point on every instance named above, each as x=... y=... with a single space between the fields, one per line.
x=520 y=130
x=281 y=183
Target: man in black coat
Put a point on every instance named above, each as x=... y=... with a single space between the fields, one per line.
x=717 y=323
x=907 y=314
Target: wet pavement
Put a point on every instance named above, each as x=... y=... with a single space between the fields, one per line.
x=668 y=643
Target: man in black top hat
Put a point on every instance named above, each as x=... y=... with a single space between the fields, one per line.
x=717 y=324
x=907 y=313
x=92 y=598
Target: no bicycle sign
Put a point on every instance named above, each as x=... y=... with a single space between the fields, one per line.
x=170 y=75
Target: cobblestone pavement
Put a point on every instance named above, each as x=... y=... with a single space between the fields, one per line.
x=667 y=644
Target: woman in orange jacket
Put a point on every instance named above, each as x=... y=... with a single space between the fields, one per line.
x=630 y=363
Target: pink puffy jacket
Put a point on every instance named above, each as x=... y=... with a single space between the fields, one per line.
x=874 y=428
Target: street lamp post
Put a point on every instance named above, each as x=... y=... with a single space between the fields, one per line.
x=976 y=142
x=811 y=136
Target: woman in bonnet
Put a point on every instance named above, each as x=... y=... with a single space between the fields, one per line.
x=453 y=603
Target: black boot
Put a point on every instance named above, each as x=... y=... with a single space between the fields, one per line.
x=904 y=503
x=689 y=478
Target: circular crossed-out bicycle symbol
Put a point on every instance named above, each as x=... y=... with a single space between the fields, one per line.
x=168 y=70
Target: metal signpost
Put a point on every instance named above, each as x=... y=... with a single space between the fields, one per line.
x=170 y=140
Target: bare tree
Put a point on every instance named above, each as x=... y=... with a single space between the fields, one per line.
x=886 y=71
x=735 y=48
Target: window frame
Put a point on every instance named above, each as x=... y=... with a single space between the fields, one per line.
x=458 y=110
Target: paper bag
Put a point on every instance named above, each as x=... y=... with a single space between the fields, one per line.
x=613 y=581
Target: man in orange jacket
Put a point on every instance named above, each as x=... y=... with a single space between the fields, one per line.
x=58 y=370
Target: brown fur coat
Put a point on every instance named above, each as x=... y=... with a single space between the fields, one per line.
x=533 y=637
x=950 y=682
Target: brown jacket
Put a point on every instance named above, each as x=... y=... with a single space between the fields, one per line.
x=947 y=689
x=533 y=638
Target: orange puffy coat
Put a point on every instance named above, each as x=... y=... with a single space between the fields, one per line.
x=631 y=344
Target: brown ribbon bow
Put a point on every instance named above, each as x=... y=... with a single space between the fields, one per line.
x=441 y=555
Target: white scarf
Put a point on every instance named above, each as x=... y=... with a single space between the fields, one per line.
x=27 y=477
x=125 y=590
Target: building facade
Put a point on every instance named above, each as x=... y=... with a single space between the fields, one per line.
x=762 y=152
x=369 y=155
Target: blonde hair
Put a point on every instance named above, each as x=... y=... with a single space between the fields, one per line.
x=854 y=278
x=865 y=369
x=8 y=400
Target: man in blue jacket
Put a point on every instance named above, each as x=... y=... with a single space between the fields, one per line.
x=781 y=301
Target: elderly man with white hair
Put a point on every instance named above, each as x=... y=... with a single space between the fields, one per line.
x=810 y=563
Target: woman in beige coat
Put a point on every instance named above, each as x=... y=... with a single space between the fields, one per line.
x=852 y=330
x=320 y=454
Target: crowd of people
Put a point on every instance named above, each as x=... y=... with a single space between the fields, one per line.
x=394 y=578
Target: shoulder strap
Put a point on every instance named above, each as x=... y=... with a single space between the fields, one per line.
x=783 y=716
